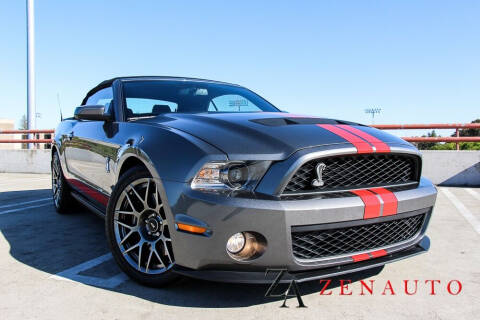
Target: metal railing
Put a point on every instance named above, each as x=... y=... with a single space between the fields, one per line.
x=457 y=126
x=457 y=139
x=26 y=132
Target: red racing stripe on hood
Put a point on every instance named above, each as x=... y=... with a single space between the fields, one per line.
x=361 y=145
x=379 y=145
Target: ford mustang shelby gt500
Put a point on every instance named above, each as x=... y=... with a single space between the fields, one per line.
x=209 y=180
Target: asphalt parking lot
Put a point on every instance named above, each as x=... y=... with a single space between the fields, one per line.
x=58 y=266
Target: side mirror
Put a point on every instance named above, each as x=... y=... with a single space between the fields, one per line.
x=92 y=112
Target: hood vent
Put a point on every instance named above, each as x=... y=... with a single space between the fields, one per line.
x=277 y=122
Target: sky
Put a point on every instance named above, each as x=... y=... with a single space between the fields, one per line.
x=419 y=61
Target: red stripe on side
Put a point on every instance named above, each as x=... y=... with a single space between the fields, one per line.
x=89 y=191
x=390 y=202
x=372 y=204
x=379 y=145
x=378 y=253
x=361 y=145
x=360 y=257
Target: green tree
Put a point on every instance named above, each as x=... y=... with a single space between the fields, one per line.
x=469 y=132
x=452 y=146
x=428 y=145
x=23 y=124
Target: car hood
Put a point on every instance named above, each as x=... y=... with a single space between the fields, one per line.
x=264 y=135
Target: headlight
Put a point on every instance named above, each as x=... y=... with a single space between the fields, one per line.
x=233 y=175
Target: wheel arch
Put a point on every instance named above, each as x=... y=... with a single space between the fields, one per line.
x=129 y=163
x=53 y=150
x=130 y=157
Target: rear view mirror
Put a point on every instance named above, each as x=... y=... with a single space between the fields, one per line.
x=92 y=112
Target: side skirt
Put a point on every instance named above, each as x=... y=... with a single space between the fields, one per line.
x=88 y=204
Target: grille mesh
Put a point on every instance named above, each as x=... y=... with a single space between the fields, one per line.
x=355 y=171
x=349 y=240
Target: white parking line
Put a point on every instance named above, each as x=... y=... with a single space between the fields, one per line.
x=26 y=202
x=463 y=210
x=73 y=275
x=23 y=180
x=474 y=193
x=25 y=208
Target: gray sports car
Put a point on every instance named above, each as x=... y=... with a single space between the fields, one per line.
x=209 y=180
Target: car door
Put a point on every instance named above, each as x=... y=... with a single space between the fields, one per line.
x=91 y=148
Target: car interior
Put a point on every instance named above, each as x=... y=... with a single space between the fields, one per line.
x=152 y=98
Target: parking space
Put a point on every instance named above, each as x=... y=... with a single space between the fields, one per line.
x=59 y=266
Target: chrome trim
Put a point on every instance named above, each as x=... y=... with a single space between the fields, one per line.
x=329 y=153
x=292 y=194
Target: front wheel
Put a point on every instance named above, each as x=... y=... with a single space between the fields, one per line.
x=138 y=231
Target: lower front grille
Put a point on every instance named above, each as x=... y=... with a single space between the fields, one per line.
x=332 y=242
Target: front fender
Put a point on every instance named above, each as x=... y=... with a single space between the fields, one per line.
x=169 y=154
x=126 y=153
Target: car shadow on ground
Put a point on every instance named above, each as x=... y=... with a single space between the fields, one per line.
x=50 y=242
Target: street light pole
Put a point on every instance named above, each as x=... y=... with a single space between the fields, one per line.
x=31 y=113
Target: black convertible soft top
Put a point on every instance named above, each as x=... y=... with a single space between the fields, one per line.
x=109 y=82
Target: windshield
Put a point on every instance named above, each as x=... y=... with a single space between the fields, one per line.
x=151 y=98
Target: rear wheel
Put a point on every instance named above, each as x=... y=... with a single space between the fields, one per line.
x=138 y=231
x=60 y=189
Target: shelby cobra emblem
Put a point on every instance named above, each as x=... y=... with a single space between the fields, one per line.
x=318 y=182
x=207 y=179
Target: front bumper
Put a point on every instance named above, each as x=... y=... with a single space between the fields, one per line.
x=257 y=277
x=206 y=257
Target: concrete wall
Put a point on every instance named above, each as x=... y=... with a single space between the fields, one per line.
x=452 y=168
x=455 y=168
x=25 y=161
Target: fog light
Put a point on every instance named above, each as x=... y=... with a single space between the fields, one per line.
x=236 y=243
x=246 y=245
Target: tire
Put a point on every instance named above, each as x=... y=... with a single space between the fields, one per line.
x=137 y=230
x=62 y=199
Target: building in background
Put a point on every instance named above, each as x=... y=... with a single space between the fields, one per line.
x=9 y=124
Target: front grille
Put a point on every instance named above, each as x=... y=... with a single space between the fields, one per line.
x=349 y=240
x=355 y=172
